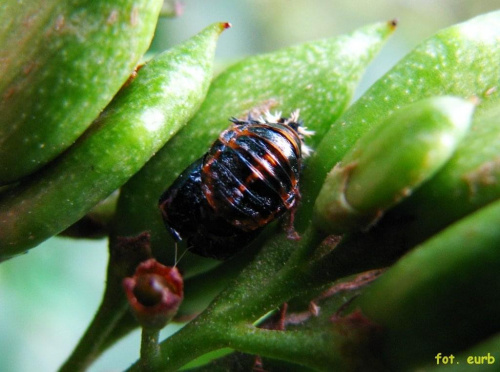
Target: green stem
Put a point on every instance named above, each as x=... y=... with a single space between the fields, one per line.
x=201 y=289
x=150 y=350
x=229 y=322
x=312 y=349
x=111 y=319
x=90 y=346
x=272 y=287
x=194 y=340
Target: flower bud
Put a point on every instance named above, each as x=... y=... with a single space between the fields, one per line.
x=154 y=293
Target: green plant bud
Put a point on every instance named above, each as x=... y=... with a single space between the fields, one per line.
x=467 y=182
x=62 y=63
x=390 y=161
x=443 y=296
x=163 y=97
x=318 y=78
x=470 y=180
x=461 y=60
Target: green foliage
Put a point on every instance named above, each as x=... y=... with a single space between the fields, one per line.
x=274 y=81
x=360 y=188
x=461 y=263
x=135 y=125
x=420 y=165
x=64 y=63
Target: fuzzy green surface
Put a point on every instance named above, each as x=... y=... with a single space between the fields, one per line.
x=390 y=161
x=467 y=182
x=461 y=60
x=62 y=62
x=284 y=269
x=161 y=99
x=318 y=78
x=138 y=205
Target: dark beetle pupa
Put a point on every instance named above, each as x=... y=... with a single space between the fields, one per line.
x=248 y=178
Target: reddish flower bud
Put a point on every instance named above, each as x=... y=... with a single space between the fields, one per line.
x=154 y=293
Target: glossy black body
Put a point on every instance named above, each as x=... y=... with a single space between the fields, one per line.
x=248 y=178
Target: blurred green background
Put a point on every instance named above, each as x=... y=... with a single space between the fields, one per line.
x=48 y=296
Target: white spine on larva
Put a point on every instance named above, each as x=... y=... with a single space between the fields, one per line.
x=275 y=117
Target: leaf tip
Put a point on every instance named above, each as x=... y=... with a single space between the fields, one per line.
x=225 y=26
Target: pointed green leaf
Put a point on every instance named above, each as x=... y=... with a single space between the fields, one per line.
x=62 y=62
x=461 y=60
x=164 y=95
x=318 y=78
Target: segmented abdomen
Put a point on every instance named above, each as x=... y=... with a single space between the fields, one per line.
x=250 y=174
